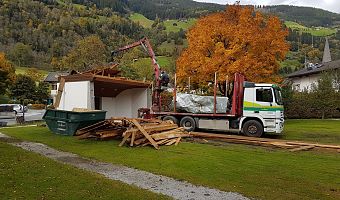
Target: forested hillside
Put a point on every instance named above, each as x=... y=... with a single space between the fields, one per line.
x=33 y=33
x=164 y=9
x=307 y=16
x=57 y=33
x=175 y=9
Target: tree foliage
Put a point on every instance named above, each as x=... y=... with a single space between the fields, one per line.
x=324 y=95
x=25 y=90
x=236 y=40
x=7 y=73
x=35 y=74
x=50 y=29
x=88 y=53
x=21 y=55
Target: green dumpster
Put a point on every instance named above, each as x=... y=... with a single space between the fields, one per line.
x=68 y=122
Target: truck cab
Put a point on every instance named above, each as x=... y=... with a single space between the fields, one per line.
x=262 y=109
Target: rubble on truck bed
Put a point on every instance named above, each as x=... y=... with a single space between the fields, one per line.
x=135 y=132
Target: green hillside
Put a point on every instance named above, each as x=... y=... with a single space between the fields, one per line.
x=304 y=15
x=315 y=31
x=23 y=70
x=171 y=25
x=141 y=19
x=176 y=25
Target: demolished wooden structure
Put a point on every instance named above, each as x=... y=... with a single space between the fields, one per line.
x=135 y=132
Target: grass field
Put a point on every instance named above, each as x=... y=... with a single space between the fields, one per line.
x=316 y=31
x=253 y=171
x=22 y=70
x=25 y=175
x=185 y=25
x=4 y=99
x=169 y=24
x=323 y=131
x=143 y=21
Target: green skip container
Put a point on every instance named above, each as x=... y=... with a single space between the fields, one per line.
x=68 y=122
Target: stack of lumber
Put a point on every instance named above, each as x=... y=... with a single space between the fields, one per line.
x=292 y=146
x=135 y=132
x=106 y=129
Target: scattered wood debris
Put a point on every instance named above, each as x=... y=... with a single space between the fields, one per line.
x=292 y=146
x=135 y=132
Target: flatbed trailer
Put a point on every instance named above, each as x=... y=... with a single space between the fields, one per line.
x=250 y=113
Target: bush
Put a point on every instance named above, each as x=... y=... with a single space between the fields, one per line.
x=38 y=106
x=323 y=101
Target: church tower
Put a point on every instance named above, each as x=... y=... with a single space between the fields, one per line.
x=326 y=53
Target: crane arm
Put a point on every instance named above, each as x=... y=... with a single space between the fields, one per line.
x=145 y=43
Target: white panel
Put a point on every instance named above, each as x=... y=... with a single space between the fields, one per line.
x=75 y=95
x=139 y=100
x=127 y=103
x=213 y=124
x=109 y=105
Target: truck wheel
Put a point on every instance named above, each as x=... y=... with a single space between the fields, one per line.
x=188 y=123
x=252 y=128
x=171 y=118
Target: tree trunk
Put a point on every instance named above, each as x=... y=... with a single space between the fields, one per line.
x=323 y=114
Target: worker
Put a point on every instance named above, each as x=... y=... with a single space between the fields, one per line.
x=164 y=78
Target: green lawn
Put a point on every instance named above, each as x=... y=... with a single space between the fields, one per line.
x=253 y=171
x=22 y=70
x=143 y=65
x=176 y=25
x=4 y=99
x=26 y=175
x=316 y=31
x=143 y=21
x=322 y=131
x=170 y=25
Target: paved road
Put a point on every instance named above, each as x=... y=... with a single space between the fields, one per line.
x=31 y=115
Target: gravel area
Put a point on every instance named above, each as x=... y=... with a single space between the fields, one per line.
x=155 y=183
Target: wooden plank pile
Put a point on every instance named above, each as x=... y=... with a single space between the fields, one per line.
x=292 y=146
x=106 y=129
x=135 y=132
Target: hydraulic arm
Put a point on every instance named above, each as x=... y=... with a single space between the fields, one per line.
x=145 y=43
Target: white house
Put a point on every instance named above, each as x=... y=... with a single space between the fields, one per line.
x=305 y=78
x=120 y=97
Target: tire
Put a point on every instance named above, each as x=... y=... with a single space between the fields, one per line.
x=15 y=112
x=171 y=118
x=188 y=123
x=252 y=128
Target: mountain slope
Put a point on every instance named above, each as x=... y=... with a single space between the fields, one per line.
x=307 y=16
x=177 y=9
x=164 y=9
x=50 y=29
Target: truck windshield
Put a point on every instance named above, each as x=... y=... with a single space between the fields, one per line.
x=278 y=96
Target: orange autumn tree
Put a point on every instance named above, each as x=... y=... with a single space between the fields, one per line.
x=236 y=40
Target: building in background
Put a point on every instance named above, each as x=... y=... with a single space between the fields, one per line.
x=305 y=78
x=52 y=79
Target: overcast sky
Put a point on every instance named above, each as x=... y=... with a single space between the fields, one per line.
x=331 y=5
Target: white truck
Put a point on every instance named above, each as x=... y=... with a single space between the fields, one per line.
x=255 y=109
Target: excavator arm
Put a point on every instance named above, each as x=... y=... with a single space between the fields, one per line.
x=145 y=43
